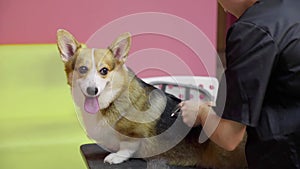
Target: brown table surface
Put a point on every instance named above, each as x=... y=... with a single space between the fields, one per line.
x=94 y=156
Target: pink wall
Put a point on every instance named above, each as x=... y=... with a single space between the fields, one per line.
x=36 y=21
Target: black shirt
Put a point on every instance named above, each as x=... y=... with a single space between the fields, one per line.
x=263 y=69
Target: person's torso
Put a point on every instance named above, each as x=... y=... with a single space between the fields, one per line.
x=281 y=108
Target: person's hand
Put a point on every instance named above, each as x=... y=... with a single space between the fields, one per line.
x=190 y=112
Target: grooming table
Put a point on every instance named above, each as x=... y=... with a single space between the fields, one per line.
x=94 y=156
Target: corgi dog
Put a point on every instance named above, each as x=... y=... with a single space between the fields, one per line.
x=127 y=116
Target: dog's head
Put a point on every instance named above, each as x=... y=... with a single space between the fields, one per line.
x=98 y=73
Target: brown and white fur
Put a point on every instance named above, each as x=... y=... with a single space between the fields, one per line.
x=117 y=112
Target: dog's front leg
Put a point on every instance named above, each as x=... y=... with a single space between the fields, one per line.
x=127 y=149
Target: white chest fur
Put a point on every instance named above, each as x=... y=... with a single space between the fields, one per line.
x=101 y=132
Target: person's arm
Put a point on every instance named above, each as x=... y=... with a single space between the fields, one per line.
x=226 y=133
x=251 y=53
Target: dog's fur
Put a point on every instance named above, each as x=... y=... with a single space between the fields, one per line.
x=125 y=114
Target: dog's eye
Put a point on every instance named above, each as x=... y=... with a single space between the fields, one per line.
x=83 y=69
x=103 y=71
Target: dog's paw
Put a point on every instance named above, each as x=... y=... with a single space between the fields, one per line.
x=114 y=158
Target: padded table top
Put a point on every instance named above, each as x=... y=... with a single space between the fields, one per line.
x=94 y=156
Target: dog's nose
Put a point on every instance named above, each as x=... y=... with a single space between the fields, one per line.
x=92 y=91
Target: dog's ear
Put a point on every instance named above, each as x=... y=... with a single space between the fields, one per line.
x=120 y=47
x=67 y=44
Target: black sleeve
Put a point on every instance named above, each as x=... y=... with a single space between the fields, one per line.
x=250 y=56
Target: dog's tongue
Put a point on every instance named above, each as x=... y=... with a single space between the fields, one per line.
x=91 y=105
